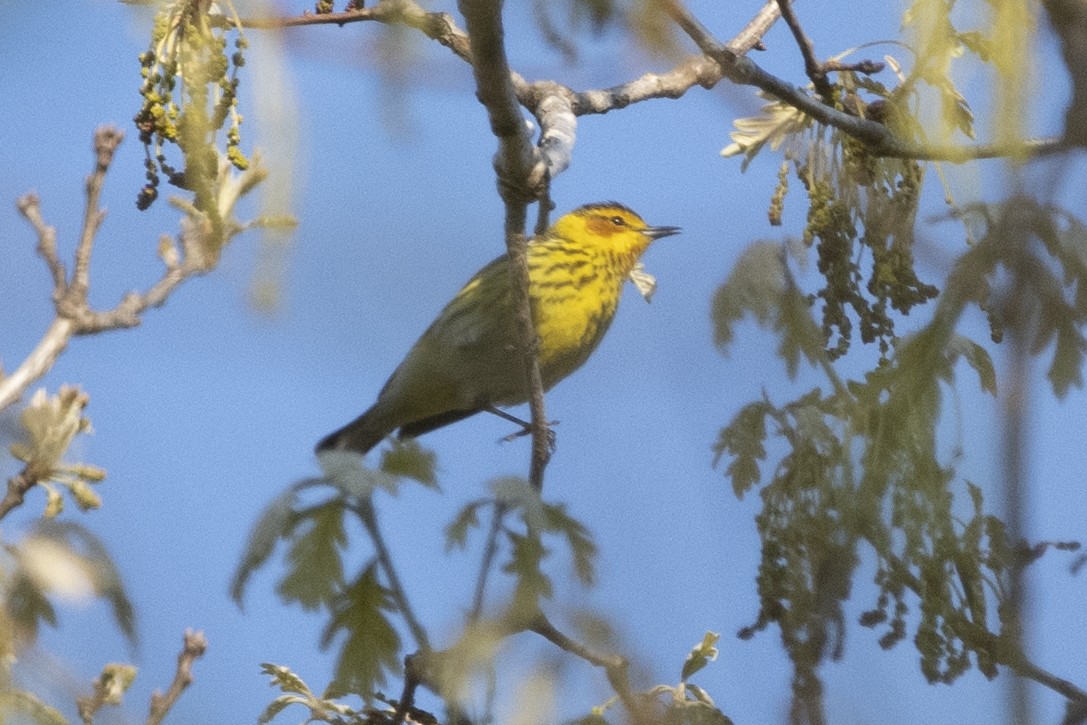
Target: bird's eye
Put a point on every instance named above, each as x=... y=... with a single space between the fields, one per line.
x=618 y=221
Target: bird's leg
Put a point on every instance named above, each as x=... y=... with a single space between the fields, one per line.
x=526 y=427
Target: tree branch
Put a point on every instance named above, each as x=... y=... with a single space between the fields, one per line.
x=615 y=666
x=194 y=648
x=435 y=25
x=38 y=362
x=718 y=61
x=878 y=139
x=815 y=70
x=522 y=177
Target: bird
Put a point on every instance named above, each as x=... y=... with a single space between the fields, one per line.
x=468 y=360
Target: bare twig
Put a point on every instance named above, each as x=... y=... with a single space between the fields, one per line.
x=866 y=66
x=38 y=362
x=435 y=25
x=106 y=141
x=194 y=648
x=490 y=549
x=18 y=486
x=70 y=296
x=816 y=71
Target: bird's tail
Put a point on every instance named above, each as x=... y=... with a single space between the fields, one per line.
x=360 y=435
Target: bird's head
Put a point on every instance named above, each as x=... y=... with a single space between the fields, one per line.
x=609 y=227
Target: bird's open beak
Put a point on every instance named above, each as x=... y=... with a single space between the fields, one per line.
x=658 y=232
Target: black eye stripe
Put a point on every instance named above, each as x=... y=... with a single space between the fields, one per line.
x=618 y=221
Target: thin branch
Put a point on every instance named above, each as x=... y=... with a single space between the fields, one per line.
x=816 y=71
x=18 y=486
x=615 y=666
x=435 y=25
x=406 y=703
x=29 y=205
x=490 y=549
x=194 y=648
x=368 y=515
x=106 y=141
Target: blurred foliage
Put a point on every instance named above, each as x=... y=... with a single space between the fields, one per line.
x=561 y=23
x=862 y=463
x=56 y=562
x=360 y=610
x=315 y=579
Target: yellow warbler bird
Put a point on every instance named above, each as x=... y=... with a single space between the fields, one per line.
x=467 y=361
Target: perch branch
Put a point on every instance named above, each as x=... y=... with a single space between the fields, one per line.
x=522 y=179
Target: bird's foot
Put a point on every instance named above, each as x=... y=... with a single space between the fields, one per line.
x=526 y=430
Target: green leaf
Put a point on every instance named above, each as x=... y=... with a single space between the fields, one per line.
x=456 y=533
x=315 y=573
x=773 y=126
x=743 y=440
x=1066 y=370
x=754 y=286
x=276 y=521
x=409 y=459
x=976 y=357
x=28 y=606
x=977 y=44
x=532 y=585
x=582 y=548
x=372 y=646
x=956 y=110
x=285 y=679
x=701 y=654
x=800 y=336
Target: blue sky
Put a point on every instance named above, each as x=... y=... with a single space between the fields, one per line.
x=210 y=408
